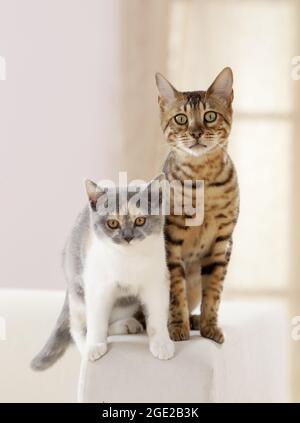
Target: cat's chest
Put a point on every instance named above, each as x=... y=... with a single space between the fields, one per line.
x=198 y=239
x=126 y=269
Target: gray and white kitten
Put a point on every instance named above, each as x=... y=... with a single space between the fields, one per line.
x=114 y=263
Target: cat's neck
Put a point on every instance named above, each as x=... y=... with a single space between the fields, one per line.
x=205 y=166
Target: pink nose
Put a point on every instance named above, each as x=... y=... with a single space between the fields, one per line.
x=196 y=134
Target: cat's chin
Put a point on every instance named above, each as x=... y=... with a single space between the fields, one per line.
x=123 y=245
x=196 y=151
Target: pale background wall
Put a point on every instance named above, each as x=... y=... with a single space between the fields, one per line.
x=79 y=101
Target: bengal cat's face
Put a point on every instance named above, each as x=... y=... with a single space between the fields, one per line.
x=196 y=122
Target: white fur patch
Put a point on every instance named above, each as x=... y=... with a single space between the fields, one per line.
x=113 y=271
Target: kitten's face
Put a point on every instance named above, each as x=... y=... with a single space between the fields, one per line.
x=196 y=122
x=124 y=223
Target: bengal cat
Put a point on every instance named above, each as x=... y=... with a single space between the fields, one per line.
x=197 y=125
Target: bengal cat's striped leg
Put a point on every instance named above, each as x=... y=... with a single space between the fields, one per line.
x=213 y=272
x=179 y=326
x=194 y=291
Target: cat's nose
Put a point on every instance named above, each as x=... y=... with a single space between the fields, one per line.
x=196 y=133
x=128 y=238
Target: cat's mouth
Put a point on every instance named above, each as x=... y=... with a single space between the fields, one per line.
x=199 y=144
x=196 y=148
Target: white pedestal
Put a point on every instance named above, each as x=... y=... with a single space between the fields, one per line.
x=251 y=366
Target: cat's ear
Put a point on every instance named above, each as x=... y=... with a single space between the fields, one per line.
x=222 y=86
x=166 y=90
x=94 y=192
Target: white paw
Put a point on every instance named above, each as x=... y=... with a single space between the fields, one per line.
x=133 y=326
x=94 y=352
x=125 y=326
x=162 y=349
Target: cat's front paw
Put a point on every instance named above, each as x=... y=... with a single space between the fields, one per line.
x=179 y=332
x=212 y=332
x=162 y=349
x=94 y=352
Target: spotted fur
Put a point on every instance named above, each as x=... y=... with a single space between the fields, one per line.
x=198 y=256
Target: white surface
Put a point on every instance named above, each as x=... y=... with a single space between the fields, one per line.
x=29 y=318
x=250 y=367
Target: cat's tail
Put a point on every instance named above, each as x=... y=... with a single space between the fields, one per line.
x=58 y=342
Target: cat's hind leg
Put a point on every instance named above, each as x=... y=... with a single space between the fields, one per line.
x=126 y=319
x=77 y=321
x=195 y=321
x=125 y=326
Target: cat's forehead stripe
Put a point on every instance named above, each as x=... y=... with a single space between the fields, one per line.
x=194 y=98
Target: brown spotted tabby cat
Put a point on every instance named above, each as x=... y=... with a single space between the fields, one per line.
x=197 y=125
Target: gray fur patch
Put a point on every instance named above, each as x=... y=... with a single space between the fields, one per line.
x=125 y=301
x=57 y=343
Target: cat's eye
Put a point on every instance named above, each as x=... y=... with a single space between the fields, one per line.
x=140 y=221
x=181 y=119
x=210 y=117
x=112 y=223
